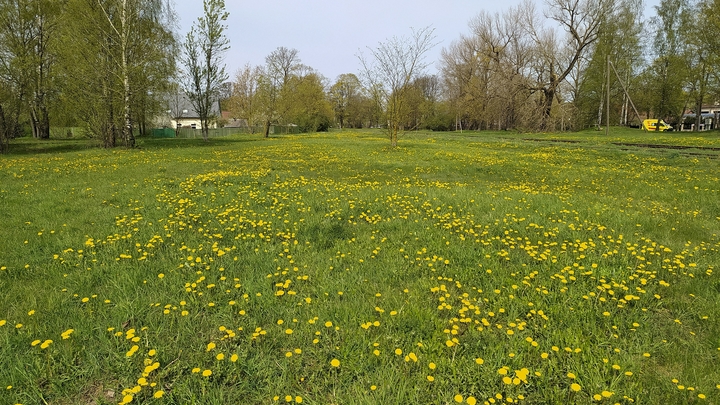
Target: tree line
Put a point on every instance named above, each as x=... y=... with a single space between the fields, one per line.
x=111 y=66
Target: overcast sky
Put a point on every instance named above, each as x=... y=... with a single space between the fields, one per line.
x=329 y=33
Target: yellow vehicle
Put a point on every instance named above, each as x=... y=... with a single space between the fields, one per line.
x=651 y=125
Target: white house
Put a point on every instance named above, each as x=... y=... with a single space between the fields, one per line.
x=180 y=113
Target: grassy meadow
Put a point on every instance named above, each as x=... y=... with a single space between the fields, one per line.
x=476 y=268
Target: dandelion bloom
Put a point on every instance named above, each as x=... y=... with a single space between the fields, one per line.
x=158 y=394
x=207 y=373
x=575 y=387
x=335 y=363
x=471 y=400
x=430 y=378
x=458 y=398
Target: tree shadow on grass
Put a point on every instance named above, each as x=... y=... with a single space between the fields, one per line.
x=31 y=146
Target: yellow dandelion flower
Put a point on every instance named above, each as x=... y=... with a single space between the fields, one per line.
x=207 y=373
x=234 y=358
x=571 y=376
x=298 y=399
x=196 y=370
x=432 y=366
x=335 y=363
x=471 y=400
x=606 y=394
x=288 y=331
x=430 y=378
x=220 y=356
x=46 y=344
x=158 y=394
x=458 y=398
x=398 y=351
x=35 y=342
x=479 y=361
x=575 y=387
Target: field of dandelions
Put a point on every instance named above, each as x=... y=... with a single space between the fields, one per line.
x=476 y=268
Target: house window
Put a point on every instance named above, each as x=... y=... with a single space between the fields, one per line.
x=193 y=126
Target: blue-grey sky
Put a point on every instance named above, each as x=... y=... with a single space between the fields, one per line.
x=329 y=33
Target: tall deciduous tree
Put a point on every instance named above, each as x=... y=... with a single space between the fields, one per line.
x=303 y=102
x=555 y=57
x=203 y=52
x=393 y=66
x=28 y=31
x=280 y=66
x=242 y=102
x=619 y=40
x=117 y=59
x=345 y=96
x=668 y=67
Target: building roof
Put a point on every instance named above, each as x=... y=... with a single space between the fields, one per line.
x=179 y=105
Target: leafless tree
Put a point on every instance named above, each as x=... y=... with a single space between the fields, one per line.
x=393 y=66
x=242 y=101
x=281 y=63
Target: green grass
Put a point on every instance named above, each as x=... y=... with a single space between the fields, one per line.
x=511 y=262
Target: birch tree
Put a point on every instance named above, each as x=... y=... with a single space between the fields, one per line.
x=204 y=67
